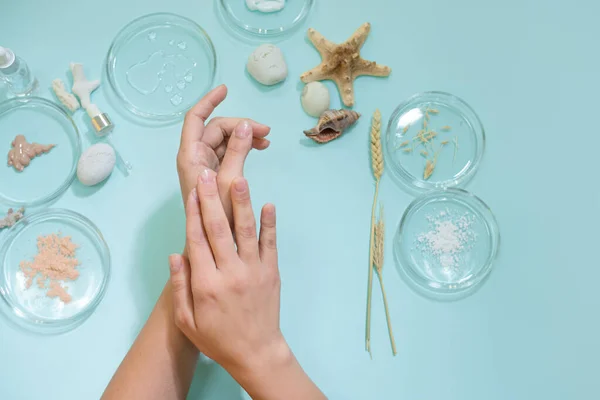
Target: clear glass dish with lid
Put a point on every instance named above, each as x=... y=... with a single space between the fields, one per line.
x=159 y=65
x=434 y=140
x=48 y=175
x=446 y=244
x=258 y=24
x=25 y=297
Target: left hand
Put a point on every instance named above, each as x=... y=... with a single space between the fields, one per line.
x=209 y=146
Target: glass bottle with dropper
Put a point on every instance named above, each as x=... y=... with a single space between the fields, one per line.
x=15 y=72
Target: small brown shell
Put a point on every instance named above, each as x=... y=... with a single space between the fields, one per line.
x=332 y=124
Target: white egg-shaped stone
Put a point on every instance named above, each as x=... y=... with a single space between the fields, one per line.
x=315 y=99
x=267 y=65
x=96 y=164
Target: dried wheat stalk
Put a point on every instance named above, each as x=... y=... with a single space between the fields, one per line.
x=378 y=264
x=377 y=166
x=376 y=150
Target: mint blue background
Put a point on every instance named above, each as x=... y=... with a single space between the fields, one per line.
x=530 y=70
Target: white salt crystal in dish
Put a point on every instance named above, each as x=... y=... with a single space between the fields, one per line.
x=446 y=244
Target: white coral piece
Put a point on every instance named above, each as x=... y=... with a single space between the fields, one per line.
x=81 y=86
x=65 y=97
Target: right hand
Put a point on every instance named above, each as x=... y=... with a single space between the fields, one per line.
x=216 y=145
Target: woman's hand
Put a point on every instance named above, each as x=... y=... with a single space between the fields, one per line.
x=226 y=298
x=214 y=146
x=228 y=302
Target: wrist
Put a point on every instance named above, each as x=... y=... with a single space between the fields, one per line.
x=274 y=373
x=180 y=343
x=257 y=368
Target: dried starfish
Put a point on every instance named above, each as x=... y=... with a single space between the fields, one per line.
x=342 y=63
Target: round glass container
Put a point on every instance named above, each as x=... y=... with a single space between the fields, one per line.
x=265 y=24
x=434 y=140
x=29 y=305
x=446 y=244
x=48 y=175
x=160 y=65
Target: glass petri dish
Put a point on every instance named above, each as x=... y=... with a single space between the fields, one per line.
x=30 y=307
x=434 y=140
x=446 y=244
x=48 y=175
x=160 y=65
x=262 y=24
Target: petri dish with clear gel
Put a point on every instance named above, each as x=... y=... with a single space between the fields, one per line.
x=30 y=307
x=434 y=140
x=48 y=175
x=160 y=65
x=279 y=21
x=446 y=244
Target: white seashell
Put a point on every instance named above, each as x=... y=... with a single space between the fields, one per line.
x=315 y=99
x=267 y=65
x=96 y=164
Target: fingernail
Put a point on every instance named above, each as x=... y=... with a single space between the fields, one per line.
x=243 y=130
x=175 y=263
x=240 y=185
x=208 y=176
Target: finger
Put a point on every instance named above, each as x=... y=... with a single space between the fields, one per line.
x=260 y=144
x=220 y=129
x=183 y=309
x=197 y=243
x=193 y=125
x=268 y=235
x=220 y=151
x=214 y=219
x=237 y=150
x=244 y=222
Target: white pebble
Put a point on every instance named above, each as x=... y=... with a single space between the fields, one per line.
x=315 y=99
x=96 y=164
x=267 y=65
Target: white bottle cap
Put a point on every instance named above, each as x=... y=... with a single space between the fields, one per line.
x=7 y=57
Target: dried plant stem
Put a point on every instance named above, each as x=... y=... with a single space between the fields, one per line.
x=377 y=166
x=387 y=315
x=378 y=259
x=370 y=283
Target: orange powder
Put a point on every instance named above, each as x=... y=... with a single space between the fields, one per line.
x=54 y=262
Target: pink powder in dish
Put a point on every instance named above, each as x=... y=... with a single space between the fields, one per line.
x=54 y=263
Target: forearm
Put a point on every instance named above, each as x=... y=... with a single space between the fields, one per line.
x=161 y=362
x=277 y=375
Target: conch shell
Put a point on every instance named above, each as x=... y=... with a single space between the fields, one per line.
x=332 y=124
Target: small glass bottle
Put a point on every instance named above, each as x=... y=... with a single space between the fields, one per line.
x=15 y=72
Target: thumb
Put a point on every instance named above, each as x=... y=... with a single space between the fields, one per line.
x=183 y=310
